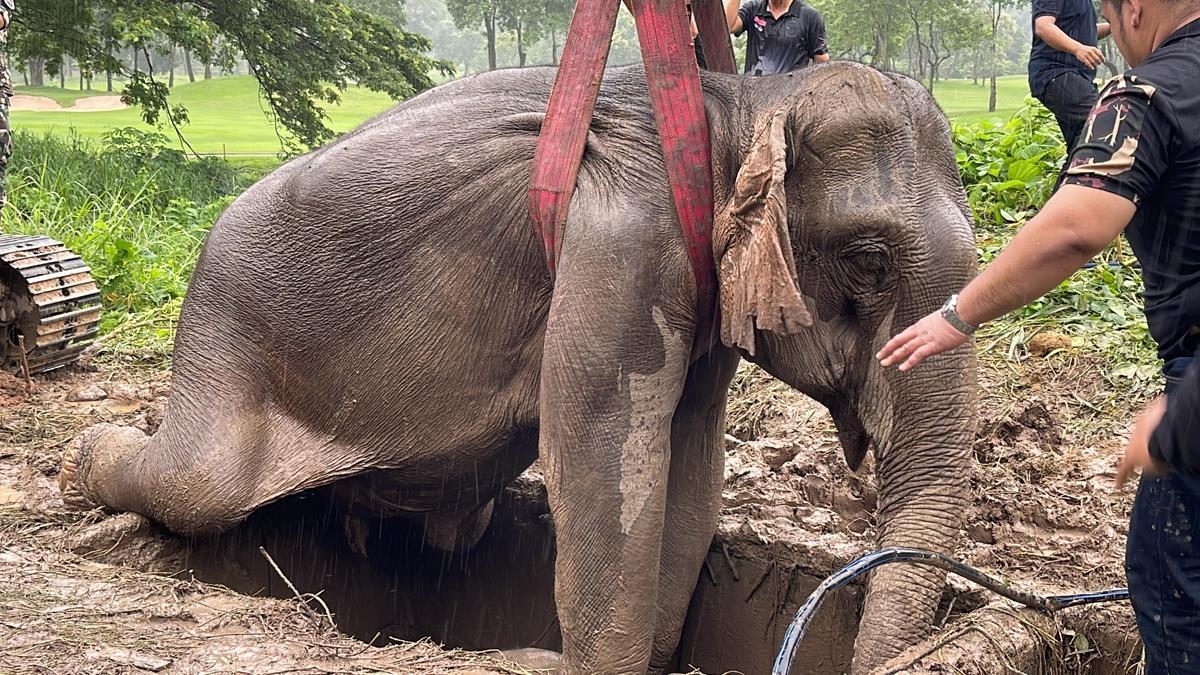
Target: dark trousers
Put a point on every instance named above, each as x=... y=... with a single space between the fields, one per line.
x=1070 y=97
x=1162 y=563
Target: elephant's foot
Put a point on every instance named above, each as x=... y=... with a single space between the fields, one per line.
x=449 y=532
x=90 y=457
x=541 y=661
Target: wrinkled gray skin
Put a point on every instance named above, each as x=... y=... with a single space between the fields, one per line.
x=379 y=314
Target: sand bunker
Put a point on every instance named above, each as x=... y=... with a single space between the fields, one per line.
x=24 y=102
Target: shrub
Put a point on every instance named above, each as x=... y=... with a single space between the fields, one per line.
x=136 y=210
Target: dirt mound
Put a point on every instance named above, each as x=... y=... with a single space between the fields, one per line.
x=26 y=102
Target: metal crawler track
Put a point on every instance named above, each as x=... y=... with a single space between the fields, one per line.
x=48 y=300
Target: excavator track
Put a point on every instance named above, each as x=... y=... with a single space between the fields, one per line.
x=48 y=301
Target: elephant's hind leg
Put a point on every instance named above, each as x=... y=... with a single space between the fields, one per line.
x=201 y=473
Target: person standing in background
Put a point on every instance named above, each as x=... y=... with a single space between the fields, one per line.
x=782 y=35
x=1063 y=61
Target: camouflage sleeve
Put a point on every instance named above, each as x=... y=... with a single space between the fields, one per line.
x=1126 y=146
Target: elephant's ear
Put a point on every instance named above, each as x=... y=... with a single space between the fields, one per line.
x=756 y=270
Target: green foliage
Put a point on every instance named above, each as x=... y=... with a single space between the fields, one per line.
x=1009 y=167
x=1009 y=170
x=136 y=210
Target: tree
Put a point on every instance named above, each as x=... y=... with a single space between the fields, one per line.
x=302 y=53
x=527 y=20
x=472 y=13
x=464 y=47
x=392 y=10
x=941 y=27
x=871 y=31
x=557 y=21
x=996 y=14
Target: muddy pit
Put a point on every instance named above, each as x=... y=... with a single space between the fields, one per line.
x=499 y=594
x=1042 y=516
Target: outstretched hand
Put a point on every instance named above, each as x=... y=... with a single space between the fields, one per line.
x=927 y=337
x=1137 y=451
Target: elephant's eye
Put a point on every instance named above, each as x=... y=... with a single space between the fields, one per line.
x=871 y=261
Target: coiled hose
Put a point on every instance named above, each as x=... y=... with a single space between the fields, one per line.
x=868 y=562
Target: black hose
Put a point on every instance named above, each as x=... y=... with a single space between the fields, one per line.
x=868 y=562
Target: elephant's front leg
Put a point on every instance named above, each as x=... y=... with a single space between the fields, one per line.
x=693 y=494
x=612 y=374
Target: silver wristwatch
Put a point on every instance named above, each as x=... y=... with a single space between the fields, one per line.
x=949 y=312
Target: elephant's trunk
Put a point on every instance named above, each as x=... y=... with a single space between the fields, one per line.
x=921 y=469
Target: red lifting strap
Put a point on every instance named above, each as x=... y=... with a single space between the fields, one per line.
x=568 y=116
x=673 y=80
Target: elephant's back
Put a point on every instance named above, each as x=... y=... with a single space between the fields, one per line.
x=436 y=185
x=393 y=263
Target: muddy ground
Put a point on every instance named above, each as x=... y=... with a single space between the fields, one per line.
x=95 y=593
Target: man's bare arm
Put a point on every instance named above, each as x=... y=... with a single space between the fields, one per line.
x=821 y=58
x=731 y=15
x=1047 y=29
x=1075 y=225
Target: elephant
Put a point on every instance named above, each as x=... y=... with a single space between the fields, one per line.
x=377 y=318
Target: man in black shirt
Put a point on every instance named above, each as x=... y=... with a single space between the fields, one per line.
x=1063 y=61
x=1137 y=169
x=783 y=35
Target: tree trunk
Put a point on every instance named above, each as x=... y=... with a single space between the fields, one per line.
x=62 y=72
x=207 y=70
x=489 y=23
x=171 y=66
x=187 y=64
x=135 y=59
x=995 y=60
x=25 y=76
x=520 y=46
x=553 y=47
x=108 y=81
x=37 y=72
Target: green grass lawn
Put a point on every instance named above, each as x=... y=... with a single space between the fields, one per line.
x=226 y=115
x=965 y=101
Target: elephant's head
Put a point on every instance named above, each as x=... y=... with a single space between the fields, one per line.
x=844 y=221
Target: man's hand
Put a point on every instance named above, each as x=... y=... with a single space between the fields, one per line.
x=929 y=336
x=1091 y=57
x=1137 y=451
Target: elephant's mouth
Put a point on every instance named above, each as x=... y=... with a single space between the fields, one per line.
x=851 y=433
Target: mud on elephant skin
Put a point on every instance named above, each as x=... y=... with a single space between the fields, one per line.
x=376 y=319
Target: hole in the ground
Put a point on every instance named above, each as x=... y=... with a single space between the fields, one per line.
x=499 y=594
